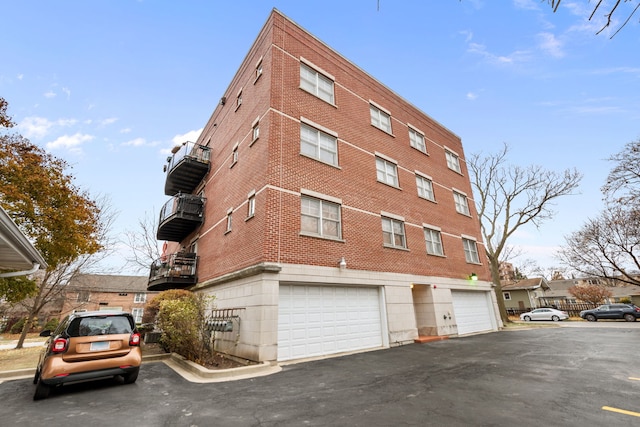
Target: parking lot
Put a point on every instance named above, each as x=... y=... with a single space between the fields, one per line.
x=560 y=376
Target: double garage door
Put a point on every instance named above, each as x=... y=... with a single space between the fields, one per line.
x=321 y=320
x=474 y=311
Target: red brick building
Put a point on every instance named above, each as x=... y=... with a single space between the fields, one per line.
x=329 y=212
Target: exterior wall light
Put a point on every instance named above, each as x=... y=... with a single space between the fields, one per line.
x=342 y=264
x=473 y=277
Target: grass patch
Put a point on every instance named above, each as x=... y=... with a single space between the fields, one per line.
x=24 y=358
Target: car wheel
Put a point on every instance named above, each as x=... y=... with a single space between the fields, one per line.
x=42 y=391
x=131 y=377
x=591 y=317
x=527 y=318
x=555 y=318
x=629 y=317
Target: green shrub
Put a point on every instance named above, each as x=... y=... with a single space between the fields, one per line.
x=51 y=325
x=16 y=328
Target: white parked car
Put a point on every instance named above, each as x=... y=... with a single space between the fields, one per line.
x=544 y=314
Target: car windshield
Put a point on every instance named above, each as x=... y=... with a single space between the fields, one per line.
x=87 y=326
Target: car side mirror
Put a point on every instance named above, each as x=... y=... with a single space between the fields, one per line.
x=45 y=333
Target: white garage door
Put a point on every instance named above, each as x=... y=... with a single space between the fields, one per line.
x=320 y=320
x=473 y=310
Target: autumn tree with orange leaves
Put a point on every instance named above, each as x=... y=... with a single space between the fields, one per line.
x=63 y=222
x=593 y=294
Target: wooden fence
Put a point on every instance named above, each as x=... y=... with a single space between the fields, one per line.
x=573 y=310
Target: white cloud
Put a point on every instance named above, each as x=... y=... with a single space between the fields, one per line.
x=137 y=142
x=472 y=96
x=527 y=4
x=517 y=56
x=70 y=142
x=20 y=76
x=550 y=44
x=125 y=130
x=189 y=136
x=108 y=121
x=39 y=127
x=67 y=92
x=50 y=94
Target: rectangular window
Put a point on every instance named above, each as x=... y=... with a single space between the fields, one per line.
x=316 y=83
x=393 y=233
x=434 y=241
x=140 y=298
x=425 y=188
x=259 y=69
x=506 y=295
x=319 y=145
x=234 y=156
x=453 y=162
x=416 y=140
x=470 y=251
x=387 y=171
x=229 y=221
x=251 y=206
x=239 y=100
x=320 y=217
x=83 y=296
x=255 y=134
x=380 y=119
x=462 y=204
x=137 y=314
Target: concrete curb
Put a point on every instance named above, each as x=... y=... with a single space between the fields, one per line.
x=188 y=370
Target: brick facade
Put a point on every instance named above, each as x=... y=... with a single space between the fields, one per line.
x=274 y=170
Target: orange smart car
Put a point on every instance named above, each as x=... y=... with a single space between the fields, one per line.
x=89 y=345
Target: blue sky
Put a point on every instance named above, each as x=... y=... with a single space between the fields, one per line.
x=111 y=85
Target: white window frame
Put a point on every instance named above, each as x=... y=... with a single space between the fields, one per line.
x=137 y=314
x=239 y=99
x=318 y=144
x=417 y=140
x=317 y=83
x=425 y=187
x=380 y=118
x=506 y=296
x=258 y=69
x=470 y=247
x=462 y=203
x=393 y=233
x=433 y=240
x=387 y=171
x=140 y=298
x=317 y=210
x=229 y=220
x=453 y=161
x=251 y=205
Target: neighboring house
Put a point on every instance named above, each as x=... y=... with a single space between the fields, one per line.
x=324 y=212
x=559 y=292
x=107 y=292
x=524 y=294
x=17 y=254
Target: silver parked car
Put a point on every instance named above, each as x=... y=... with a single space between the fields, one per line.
x=544 y=314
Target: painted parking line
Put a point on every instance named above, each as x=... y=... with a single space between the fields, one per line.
x=621 y=411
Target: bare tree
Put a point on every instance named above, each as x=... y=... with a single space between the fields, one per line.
x=607 y=246
x=509 y=197
x=608 y=10
x=143 y=242
x=623 y=182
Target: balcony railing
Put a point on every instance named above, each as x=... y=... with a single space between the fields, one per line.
x=175 y=271
x=186 y=168
x=181 y=215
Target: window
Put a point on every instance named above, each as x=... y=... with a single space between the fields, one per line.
x=434 y=241
x=251 y=206
x=393 y=233
x=140 y=298
x=380 y=119
x=506 y=295
x=239 y=99
x=255 y=134
x=320 y=217
x=462 y=205
x=229 y=220
x=258 y=69
x=137 y=314
x=316 y=83
x=387 y=171
x=234 y=156
x=416 y=139
x=319 y=145
x=470 y=251
x=453 y=162
x=83 y=296
x=425 y=188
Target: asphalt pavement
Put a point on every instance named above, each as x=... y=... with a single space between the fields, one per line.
x=556 y=376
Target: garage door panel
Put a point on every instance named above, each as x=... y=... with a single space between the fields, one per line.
x=319 y=320
x=473 y=311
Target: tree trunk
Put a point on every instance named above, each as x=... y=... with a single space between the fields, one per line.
x=495 y=276
x=33 y=313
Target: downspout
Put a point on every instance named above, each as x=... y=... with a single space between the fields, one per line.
x=35 y=268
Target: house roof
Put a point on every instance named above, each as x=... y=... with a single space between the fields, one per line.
x=526 y=284
x=109 y=283
x=16 y=252
x=560 y=288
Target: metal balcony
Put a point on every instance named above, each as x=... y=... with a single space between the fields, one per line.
x=181 y=215
x=186 y=168
x=175 y=271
